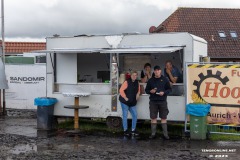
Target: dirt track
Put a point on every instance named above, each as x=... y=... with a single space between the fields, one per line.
x=20 y=140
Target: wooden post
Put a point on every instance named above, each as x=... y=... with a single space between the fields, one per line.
x=76 y=118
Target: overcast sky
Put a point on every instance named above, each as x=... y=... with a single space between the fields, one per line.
x=37 y=19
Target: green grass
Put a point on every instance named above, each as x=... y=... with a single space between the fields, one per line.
x=224 y=137
x=98 y=126
x=89 y=126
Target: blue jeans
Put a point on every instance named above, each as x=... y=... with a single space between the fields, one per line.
x=133 y=112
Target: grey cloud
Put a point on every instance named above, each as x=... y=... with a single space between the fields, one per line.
x=70 y=19
x=42 y=18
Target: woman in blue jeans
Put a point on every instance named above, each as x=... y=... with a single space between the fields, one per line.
x=129 y=94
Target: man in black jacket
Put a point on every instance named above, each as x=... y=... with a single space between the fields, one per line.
x=158 y=87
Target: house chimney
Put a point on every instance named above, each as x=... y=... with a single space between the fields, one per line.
x=212 y=38
x=152 y=29
x=56 y=35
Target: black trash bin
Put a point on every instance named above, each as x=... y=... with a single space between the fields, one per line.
x=45 y=109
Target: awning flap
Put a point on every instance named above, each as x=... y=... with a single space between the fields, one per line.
x=143 y=50
x=117 y=50
x=71 y=50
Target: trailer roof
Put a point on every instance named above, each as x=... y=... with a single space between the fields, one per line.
x=137 y=43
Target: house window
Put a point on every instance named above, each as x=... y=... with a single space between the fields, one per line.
x=221 y=34
x=40 y=59
x=233 y=34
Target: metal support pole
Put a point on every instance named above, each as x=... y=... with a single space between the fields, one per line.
x=1 y=102
x=3 y=54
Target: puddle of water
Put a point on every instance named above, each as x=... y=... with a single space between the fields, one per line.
x=25 y=127
x=228 y=143
x=46 y=133
x=66 y=146
x=23 y=148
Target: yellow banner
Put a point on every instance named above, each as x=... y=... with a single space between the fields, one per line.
x=218 y=85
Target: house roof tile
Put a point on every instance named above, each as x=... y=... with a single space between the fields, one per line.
x=206 y=23
x=20 y=47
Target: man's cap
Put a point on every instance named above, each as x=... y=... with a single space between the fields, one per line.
x=157 y=67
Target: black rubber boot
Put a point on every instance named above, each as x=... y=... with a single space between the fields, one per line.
x=165 y=131
x=154 y=130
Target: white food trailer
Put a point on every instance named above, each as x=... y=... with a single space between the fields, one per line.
x=93 y=65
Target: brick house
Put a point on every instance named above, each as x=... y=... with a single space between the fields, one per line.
x=219 y=27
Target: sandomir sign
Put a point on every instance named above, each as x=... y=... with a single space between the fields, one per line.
x=26 y=80
x=212 y=88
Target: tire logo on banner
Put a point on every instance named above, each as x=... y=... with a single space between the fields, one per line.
x=223 y=92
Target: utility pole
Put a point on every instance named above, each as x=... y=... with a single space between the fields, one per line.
x=3 y=55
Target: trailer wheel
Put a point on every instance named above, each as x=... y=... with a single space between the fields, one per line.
x=114 y=122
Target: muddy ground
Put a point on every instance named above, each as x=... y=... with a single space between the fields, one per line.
x=19 y=139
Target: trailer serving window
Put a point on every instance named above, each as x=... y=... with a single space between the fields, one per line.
x=93 y=68
x=82 y=68
x=134 y=59
x=71 y=66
